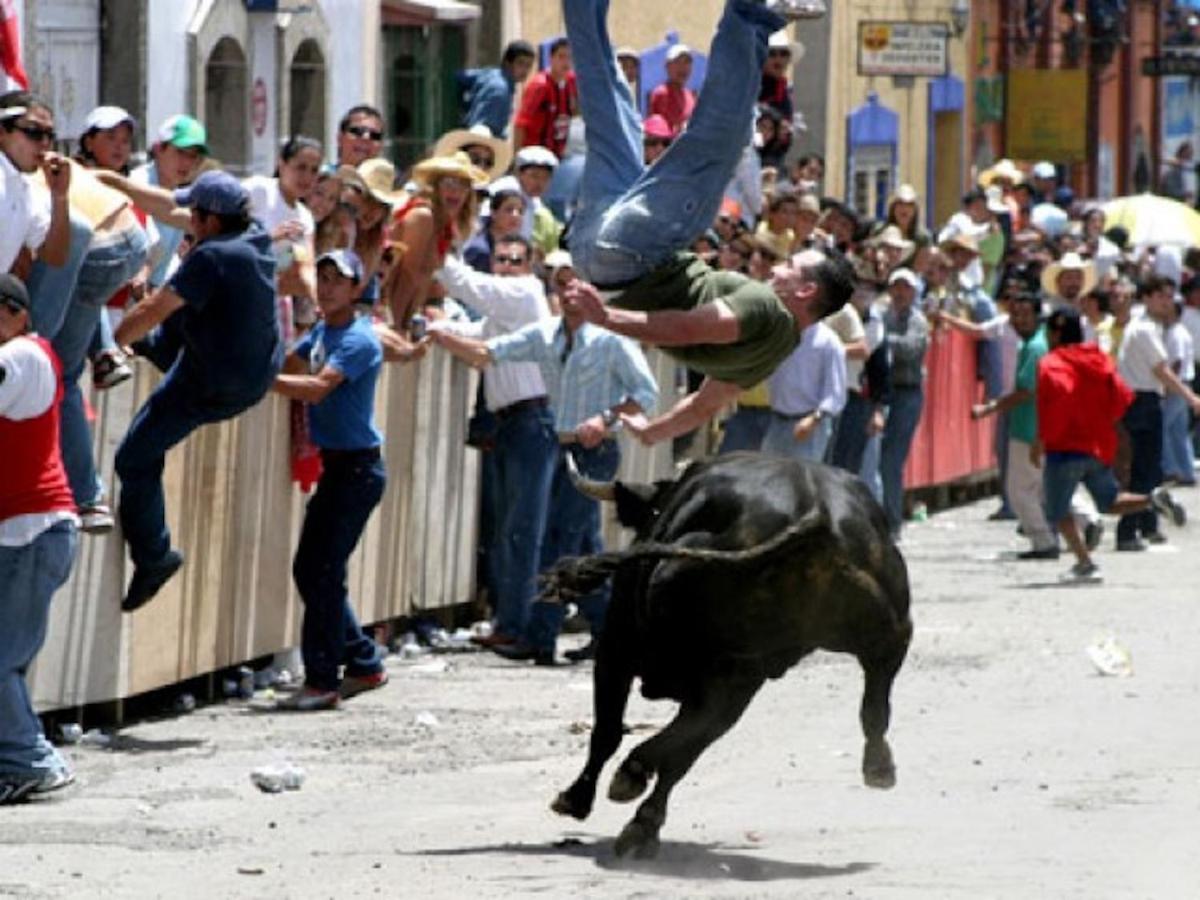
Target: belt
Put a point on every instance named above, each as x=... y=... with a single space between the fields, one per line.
x=570 y=439
x=755 y=406
x=366 y=454
x=522 y=406
x=784 y=415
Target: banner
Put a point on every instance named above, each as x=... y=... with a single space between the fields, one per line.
x=10 y=45
x=1047 y=114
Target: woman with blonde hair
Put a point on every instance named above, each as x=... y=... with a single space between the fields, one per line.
x=438 y=218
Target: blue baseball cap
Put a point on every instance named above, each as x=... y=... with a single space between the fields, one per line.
x=215 y=192
x=347 y=262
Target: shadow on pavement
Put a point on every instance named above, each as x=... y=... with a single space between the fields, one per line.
x=676 y=859
x=127 y=743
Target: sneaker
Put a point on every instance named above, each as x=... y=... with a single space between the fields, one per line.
x=1044 y=553
x=526 y=652
x=96 y=518
x=793 y=10
x=1082 y=573
x=55 y=781
x=109 y=369
x=148 y=580
x=1155 y=537
x=309 y=700
x=1093 y=534
x=1165 y=504
x=586 y=652
x=353 y=685
x=1002 y=515
x=15 y=788
x=1133 y=545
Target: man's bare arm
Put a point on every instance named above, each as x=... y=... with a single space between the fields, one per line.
x=712 y=323
x=473 y=352
x=145 y=314
x=689 y=413
x=156 y=201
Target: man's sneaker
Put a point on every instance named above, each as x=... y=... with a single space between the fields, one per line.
x=1155 y=537
x=55 y=781
x=525 y=652
x=15 y=788
x=1093 y=534
x=96 y=518
x=586 y=652
x=793 y=10
x=109 y=369
x=309 y=700
x=1082 y=573
x=1133 y=545
x=148 y=580
x=353 y=685
x=1044 y=553
x=1165 y=504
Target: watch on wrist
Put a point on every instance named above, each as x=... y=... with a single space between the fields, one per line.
x=609 y=418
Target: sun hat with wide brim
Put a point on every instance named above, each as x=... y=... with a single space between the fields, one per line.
x=428 y=172
x=376 y=178
x=892 y=236
x=960 y=241
x=1070 y=262
x=1005 y=169
x=477 y=135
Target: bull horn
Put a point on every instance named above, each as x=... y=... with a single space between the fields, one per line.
x=597 y=490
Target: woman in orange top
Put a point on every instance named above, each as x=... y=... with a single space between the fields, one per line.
x=439 y=217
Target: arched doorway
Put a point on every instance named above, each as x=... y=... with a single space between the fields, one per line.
x=306 y=89
x=225 y=104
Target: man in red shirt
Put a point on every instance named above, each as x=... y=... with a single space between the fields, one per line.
x=673 y=99
x=37 y=539
x=1080 y=399
x=549 y=102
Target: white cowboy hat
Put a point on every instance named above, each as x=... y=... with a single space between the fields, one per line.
x=453 y=141
x=1006 y=169
x=1070 y=262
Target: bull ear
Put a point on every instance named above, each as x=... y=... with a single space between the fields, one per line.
x=635 y=504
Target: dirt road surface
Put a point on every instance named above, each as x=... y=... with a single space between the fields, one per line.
x=1023 y=771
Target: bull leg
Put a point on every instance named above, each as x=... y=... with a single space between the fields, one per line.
x=613 y=679
x=878 y=768
x=670 y=754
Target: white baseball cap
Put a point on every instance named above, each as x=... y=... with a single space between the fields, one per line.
x=534 y=155
x=908 y=276
x=678 y=50
x=102 y=118
x=1044 y=169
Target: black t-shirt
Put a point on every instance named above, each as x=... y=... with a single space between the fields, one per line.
x=232 y=344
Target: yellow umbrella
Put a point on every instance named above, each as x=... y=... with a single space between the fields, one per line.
x=1151 y=219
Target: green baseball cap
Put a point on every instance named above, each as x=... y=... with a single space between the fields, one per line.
x=185 y=133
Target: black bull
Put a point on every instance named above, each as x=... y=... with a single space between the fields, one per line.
x=740 y=569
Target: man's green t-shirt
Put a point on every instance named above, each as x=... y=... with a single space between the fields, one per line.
x=767 y=332
x=1022 y=420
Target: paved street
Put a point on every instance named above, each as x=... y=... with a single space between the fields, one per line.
x=1023 y=772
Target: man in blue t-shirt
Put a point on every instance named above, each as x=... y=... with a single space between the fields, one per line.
x=334 y=368
x=224 y=292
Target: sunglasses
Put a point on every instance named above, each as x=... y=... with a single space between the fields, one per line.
x=512 y=260
x=36 y=133
x=362 y=131
x=483 y=159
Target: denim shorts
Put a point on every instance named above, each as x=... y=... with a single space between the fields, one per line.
x=1063 y=472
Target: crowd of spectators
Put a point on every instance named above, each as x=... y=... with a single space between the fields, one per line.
x=470 y=253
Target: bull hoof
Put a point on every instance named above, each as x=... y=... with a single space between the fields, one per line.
x=638 y=837
x=879 y=771
x=628 y=783
x=569 y=803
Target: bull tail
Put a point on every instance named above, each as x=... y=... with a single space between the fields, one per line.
x=578 y=576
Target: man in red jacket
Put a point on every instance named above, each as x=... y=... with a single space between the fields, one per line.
x=1080 y=399
x=37 y=539
x=549 y=101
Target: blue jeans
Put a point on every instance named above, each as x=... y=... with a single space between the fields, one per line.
x=525 y=456
x=631 y=219
x=573 y=529
x=29 y=576
x=746 y=429
x=100 y=273
x=1177 y=444
x=1143 y=422
x=351 y=486
x=175 y=409
x=1063 y=472
x=904 y=412
x=869 y=472
x=850 y=437
x=781 y=440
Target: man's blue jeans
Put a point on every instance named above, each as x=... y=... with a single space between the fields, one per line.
x=573 y=529
x=526 y=453
x=350 y=488
x=850 y=437
x=177 y=407
x=746 y=429
x=781 y=439
x=904 y=412
x=74 y=296
x=631 y=219
x=29 y=576
x=1177 y=444
x=1143 y=422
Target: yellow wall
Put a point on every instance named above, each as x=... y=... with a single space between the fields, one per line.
x=639 y=24
x=848 y=91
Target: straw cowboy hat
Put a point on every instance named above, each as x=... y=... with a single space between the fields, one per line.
x=376 y=177
x=477 y=135
x=427 y=172
x=892 y=236
x=960 y=241
x=1005 y=169
x=1070 y=262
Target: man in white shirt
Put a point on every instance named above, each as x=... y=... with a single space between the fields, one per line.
x=1142 y=362
x=37 y=540
x=807 y=391
x=526 y=449
x=29 y=227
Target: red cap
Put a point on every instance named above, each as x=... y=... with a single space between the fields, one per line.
x=656 y=126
